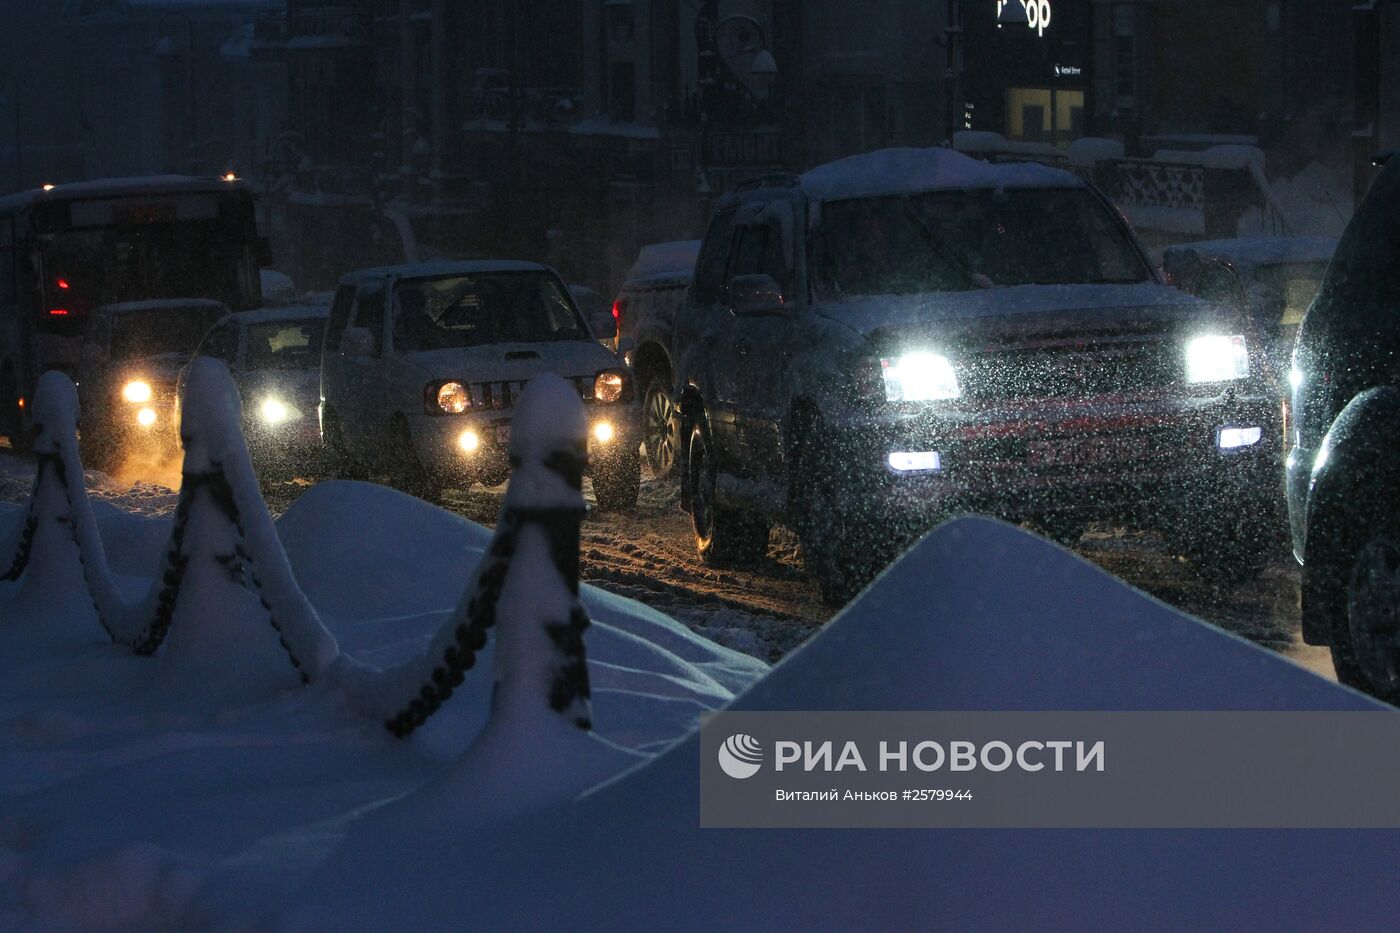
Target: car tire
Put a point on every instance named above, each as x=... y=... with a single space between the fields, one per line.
x=617 y=479
x=837 y=541
x=339 y=463
x=1357 y=593
x=723 y=537
x=660 y=429
x=406 y=472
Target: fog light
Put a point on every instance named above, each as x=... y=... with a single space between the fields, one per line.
x=145 y=417
x=137 y=391
x=1231 y=438
x=603 y=432
x=914 y=461
x=274 y=411
x=469 y=441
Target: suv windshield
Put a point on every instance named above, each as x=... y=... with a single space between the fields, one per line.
x=285 y=344
x=485 y=308
x=947 y=240
x=154 y=331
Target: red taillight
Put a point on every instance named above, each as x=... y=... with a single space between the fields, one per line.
x=58 y=312
x=617 y=314
x=63 y=283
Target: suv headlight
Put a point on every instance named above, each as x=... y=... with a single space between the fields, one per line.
x=919 y=377
x=1217 y=359
x=610 y=386
x=446 y=398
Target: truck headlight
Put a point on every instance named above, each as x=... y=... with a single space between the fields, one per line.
x=137 y=392
x=1217 y=359
x=609 y=386
x=274 y=411
x=919 y=377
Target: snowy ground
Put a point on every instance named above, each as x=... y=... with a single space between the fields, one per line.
x=648 y=554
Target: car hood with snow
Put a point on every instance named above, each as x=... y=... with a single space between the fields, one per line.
x=1071 y=307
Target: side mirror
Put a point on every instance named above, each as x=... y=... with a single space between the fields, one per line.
x=756 y=294
x=602 y=325
x=357 y=341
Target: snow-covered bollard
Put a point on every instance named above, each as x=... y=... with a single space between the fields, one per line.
x=55 y=552
x=226 y=606
x=526 y=585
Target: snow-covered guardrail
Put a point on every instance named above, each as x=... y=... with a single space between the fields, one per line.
x=225 y=589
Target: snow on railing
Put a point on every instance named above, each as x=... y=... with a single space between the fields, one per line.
x=56 y=551
x=223 y=543
x=526 y=587
x=225 y=585
x=222 y=534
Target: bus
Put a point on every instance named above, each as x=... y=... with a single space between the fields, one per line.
x=66 y=250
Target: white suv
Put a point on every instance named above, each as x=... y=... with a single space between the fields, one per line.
x=422 y=365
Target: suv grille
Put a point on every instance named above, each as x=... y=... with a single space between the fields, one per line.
x=1071 y=365
x=502 y=395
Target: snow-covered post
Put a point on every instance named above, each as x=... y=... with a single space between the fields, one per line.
x=56 y=551
x=225 y=588
x=526 y=585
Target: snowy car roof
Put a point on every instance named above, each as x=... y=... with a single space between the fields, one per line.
x=126 y=307
x=912 y=171
x=274 y=315
x=458 y=267
x=671 y=260
x=119 y=187
x=1260 y=251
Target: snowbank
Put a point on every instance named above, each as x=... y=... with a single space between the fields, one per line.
x=942 y=629
x=672 y=260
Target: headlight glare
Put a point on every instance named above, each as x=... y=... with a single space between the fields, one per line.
x=137 y=392
x=452 y=398
x=274 y=411
x=609 y=387
x=1217 y=359
x=919 y=377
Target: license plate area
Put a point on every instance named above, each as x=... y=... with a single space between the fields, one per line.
x=503 y=434
x=1082 y=451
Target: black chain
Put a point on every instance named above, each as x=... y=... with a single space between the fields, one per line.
x=31 y=525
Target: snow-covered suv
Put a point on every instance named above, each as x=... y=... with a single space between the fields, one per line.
x=905 y=334
x=422 y=365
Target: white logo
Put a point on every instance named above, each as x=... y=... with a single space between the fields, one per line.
x=741 y=756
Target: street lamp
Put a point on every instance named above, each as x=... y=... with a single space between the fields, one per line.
x=13 y=101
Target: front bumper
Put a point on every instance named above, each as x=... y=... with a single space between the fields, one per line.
x=1148 y=459
x=438 y=441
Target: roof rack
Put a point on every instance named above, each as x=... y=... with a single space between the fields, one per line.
x=771 y=180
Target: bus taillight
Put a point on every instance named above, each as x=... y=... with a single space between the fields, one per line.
x=58 y=312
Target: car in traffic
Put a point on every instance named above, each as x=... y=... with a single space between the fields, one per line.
x=1271 y=280
x=902 y=335
x=422 y=364
x=1343 y=473
x=645 y=314
x=274 y=356
x=128 y=366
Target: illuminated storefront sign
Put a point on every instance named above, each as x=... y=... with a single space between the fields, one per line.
x=1037 y=13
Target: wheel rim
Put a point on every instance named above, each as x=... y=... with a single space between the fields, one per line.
x=1373 y=610
x=660 y=431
